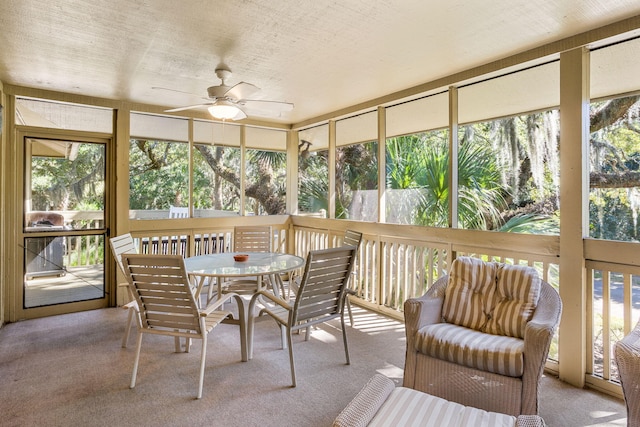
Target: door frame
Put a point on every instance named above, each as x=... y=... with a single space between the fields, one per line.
x=16 y=188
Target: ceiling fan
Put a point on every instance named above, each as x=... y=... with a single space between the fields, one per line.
x=232 y=102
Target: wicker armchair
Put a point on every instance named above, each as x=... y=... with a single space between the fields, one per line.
x=627 y=354
x=511 y=394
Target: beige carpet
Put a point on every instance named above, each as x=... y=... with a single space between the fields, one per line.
x=71 y=371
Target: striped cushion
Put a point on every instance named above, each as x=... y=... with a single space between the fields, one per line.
x=466 y=297
x=407 y=407
x=514 y=300
x=494 y=353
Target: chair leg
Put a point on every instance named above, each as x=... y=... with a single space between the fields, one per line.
x=344 y=338
x=291 y=361
x=283 y=339
x=125 y=338
x=348 y=302
x=250 y=325
x=203 y=358
x=137 y=359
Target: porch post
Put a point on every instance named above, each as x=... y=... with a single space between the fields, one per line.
x=574 y=193
x=382 y=165
x=292 y=172
x=119 y=191
x=453 y=157
x=332 y=170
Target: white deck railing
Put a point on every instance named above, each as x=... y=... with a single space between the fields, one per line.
x=397 y=262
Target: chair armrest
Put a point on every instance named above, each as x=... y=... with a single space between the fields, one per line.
x=425 y=310
x=275 y=299
x=545 y=319
x=217 y=303
x=419 y=312
x=537 y=339
x=630 y=344
x=361 y=410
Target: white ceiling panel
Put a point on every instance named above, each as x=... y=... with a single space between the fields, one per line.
x=322 y=56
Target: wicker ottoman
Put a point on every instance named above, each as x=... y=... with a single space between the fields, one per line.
x=381 y=403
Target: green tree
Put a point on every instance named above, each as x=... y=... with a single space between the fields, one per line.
x=69 y=183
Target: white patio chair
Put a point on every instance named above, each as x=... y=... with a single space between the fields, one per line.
x=250 y=239
x=167 y=305
x=178 y=212
x=120 y=245
x=351 y=238
x=320 y=297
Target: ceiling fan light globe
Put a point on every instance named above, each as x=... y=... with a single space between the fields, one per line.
x=224 y=111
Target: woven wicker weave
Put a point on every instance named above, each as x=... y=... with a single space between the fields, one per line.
x=364 y=406
x=473 y=387
x=627 y=354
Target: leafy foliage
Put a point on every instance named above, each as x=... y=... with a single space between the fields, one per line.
x=64 y=183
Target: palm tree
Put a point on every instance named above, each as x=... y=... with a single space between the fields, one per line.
x=421 y=162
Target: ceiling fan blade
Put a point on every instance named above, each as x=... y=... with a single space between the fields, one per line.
x=188 y=107
x=242 y=90
x=267 y=106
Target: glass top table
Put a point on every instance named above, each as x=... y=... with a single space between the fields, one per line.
x=259 y=264
x=223 y=265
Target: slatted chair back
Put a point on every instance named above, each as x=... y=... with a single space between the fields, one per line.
x=352 y=238
x=322 y=289
x=320 y=298
x=162 y=289
x=252 y=238
x=122 y=244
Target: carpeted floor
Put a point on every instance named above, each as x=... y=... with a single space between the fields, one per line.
x=70 y=370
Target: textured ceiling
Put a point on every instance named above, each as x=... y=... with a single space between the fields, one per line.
x=320 y=55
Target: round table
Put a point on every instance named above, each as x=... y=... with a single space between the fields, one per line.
x=259 y=264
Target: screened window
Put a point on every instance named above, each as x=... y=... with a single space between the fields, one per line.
x=508 y=176
x=614 y=194
x=417 y=159
x=313 y=171
x=614 y=142
x=357 y=168
x=417 y=179
x=357 y=181
x=216 y=166
x=215 y=191
x=265 y=171
x=265 y=185
x=158 y=177
x=158 y=166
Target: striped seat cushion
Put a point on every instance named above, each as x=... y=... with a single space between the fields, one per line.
x=478 y=350
x=407 y=407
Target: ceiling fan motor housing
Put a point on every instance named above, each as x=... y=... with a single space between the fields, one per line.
x=217 y=91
